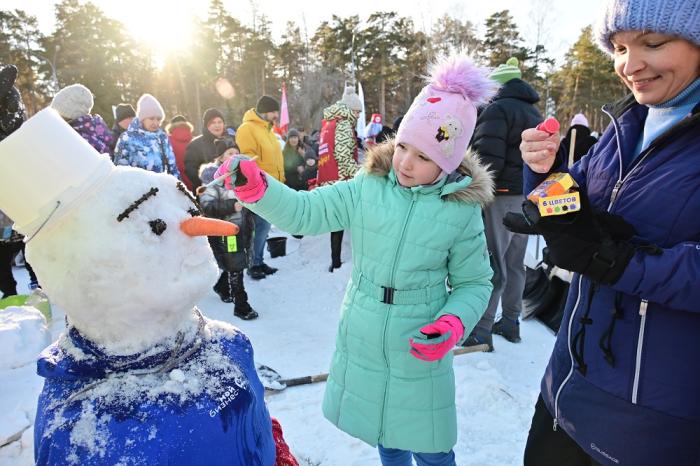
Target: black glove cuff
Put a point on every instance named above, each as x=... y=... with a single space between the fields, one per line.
x=609 y=262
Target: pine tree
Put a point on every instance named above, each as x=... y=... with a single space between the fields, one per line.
x=291 y=56
x=502 y=40
x=585 y=82
x=386 y=40
x=94 y=50
x=20 y=45
x=451 y=35
x=332 y=43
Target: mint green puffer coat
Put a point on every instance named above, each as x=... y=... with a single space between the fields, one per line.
x=407 y=239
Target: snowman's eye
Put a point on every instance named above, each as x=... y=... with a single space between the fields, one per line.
x=158 y=226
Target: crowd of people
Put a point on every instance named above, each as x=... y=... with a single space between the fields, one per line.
x=423 y=210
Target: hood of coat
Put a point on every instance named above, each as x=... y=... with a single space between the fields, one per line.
x=135 y=129
x=181 y=132
x=207 y=171
x=251 y=116
x=339 y=111
x=518 y=89
x=471 y=183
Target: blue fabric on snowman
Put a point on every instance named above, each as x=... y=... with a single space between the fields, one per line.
x=90 y=414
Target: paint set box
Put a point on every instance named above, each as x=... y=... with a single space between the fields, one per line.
x=556 y=195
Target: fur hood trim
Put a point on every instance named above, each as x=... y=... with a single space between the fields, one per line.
x=479 y=191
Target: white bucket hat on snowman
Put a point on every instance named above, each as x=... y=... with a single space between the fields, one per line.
x=37 y=187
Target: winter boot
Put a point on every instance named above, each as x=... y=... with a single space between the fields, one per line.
x=508 y=329
x=334 y=266
x=267 y=269
x=479 y=337
x=223 y=288
x=244 y=311
x=256 y=272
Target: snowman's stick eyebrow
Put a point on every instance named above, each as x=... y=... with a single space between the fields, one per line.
x=135 y=205
x=181 y=187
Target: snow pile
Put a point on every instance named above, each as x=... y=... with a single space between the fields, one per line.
x=23 y=334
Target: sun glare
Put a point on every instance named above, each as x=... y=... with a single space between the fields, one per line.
x=165 y=31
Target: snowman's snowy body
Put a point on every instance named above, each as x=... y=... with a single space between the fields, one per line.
x=140 y=377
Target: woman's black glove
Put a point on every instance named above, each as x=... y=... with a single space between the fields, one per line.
x=12 y=113
x=590 y=242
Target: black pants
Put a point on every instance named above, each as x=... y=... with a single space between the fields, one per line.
x=8 y=250
x=336 y=245
x=547 y=447
x=8 y=285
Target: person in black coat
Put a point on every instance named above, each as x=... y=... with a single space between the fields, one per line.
x=123 y=114
x=583 y=140
x=12 y=116
x=12 y=111
x=231 y=252
x=202 y=149
x=497 y=139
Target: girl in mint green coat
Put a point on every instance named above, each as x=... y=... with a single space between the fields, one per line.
x=421 y=275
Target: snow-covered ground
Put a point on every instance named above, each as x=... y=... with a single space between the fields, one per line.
x=295 y=335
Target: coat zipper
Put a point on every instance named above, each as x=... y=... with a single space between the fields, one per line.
x=640 y=343
x=643 y=303
x=659 y=142
x=571 y=356
x=621 y=179
x=386 y=315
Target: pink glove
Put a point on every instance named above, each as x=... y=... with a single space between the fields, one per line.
x=246 y=179
x=230 y=168
x=437 y=339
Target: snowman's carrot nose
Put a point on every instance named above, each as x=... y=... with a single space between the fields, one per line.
x=202 y=226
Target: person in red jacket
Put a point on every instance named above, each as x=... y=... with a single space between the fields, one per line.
x=180 y=134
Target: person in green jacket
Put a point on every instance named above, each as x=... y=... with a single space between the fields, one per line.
x=421 y=274
x=293 y=153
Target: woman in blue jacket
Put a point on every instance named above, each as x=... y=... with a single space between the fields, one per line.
x=144 y=144
x=622 y=386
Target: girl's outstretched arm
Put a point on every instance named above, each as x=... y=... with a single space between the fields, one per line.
x=325 y=209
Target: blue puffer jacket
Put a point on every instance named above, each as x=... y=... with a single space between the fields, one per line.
x=208 y=409
x=150 y=150
x=625 y=385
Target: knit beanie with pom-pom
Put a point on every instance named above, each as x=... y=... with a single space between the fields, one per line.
x=441 y=119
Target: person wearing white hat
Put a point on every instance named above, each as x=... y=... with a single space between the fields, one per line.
x=11 y=242
x=144 y=144
x=74 y=103
x=580 y=135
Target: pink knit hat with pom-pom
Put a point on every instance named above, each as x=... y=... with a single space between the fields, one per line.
x=441 y=119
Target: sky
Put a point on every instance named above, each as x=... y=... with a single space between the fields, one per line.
x=163 y=25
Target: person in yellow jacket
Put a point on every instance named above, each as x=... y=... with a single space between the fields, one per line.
x=255 y=138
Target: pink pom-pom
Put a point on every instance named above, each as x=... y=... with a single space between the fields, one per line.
x=459 y=74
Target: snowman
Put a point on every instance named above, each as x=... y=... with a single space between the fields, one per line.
x=139 y=376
